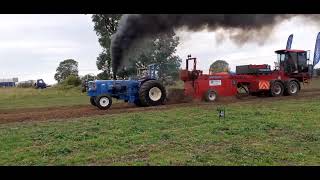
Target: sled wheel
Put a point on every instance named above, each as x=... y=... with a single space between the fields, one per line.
x=210 y=96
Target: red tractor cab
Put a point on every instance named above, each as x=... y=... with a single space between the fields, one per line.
x=294 y=63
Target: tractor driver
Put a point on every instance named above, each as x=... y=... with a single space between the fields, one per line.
x=292 y=65
x=145 y=74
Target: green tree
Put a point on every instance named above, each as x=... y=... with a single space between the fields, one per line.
x=164 y=55
x=66 y=68
x=160 y=50
x=103 y=75
x=89 y=77
x=72 y=80
x=219 y=66
x=105 y=26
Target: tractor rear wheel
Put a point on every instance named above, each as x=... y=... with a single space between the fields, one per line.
x=292 y=88
x=152 y=93
x=93 y=101
x=276 y=89
x=210 y=96
x=104 y=102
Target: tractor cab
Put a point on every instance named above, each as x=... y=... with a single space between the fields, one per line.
x=153 y=71
x=150 y=72
x=293 y=61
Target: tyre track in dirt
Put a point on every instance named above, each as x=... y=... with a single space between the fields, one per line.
x=43 y=114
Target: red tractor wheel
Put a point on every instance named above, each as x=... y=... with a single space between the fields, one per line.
x=292 y=88
x=276 y=89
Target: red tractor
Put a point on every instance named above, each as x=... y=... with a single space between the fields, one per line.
x=292 y=69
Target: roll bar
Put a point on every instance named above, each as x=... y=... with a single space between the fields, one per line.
x=194 y=62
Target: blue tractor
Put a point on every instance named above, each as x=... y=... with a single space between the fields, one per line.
x=143 y=91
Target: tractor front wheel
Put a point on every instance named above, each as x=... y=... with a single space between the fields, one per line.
x=104 y=102
x=92 y=101
x=152 y=93
x=276 y=89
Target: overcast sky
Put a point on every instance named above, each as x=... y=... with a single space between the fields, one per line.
x=31 y=46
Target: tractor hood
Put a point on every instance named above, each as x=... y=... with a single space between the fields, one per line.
x=110 y=86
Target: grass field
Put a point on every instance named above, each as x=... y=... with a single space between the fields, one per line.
x=285 y=132
x=264 y=133
x=34 y=98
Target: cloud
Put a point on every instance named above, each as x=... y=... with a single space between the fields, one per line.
x=31 y=46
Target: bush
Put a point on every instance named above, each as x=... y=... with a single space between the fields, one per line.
x=72 y=80
x=64 y=87
x=25 y=85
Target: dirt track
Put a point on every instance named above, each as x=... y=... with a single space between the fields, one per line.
x=41 y=114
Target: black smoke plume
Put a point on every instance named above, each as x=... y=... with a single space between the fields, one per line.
x=240 y=28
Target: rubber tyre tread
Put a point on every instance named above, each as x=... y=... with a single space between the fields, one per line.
x=93 y=101
x=287 y=91
x=144 y=93
x=271 y=89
